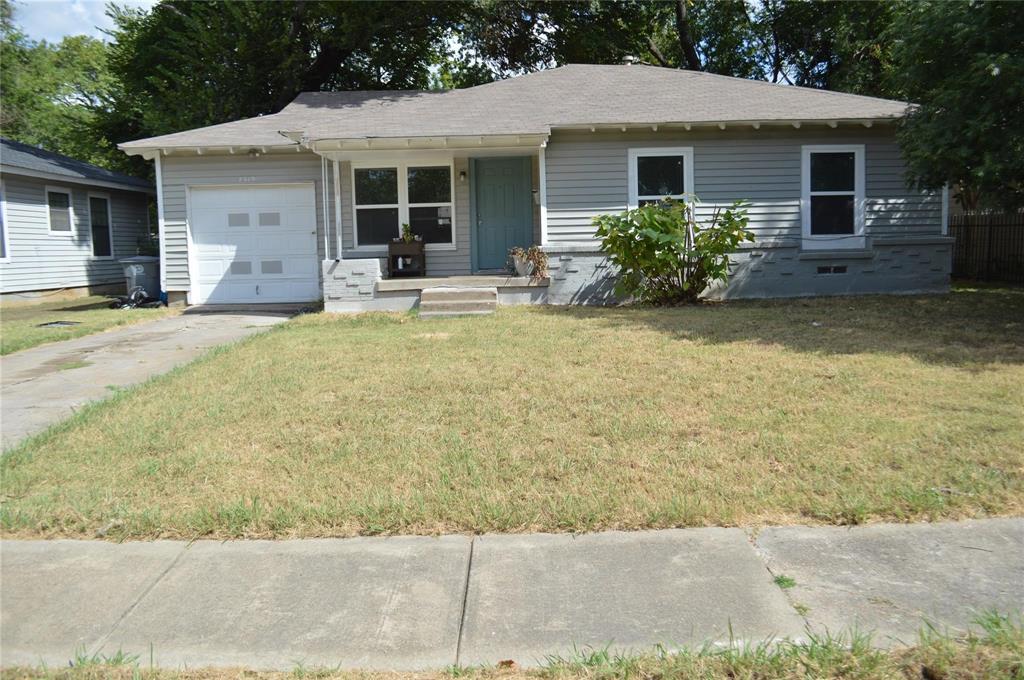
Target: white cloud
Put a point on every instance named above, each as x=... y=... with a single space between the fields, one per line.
x=51 y=20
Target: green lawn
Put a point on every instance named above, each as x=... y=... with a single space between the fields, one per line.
x=994 y=652
x=19 y=323
x=837 y=410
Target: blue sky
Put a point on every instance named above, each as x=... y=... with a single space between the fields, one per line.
x=51 y=20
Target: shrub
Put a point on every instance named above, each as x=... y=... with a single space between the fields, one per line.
x=664 y=256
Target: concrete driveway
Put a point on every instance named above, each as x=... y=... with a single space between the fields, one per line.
x=46 y=384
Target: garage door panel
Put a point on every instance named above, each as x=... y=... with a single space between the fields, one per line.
x=270 y=252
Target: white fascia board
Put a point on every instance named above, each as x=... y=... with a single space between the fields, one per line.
x=433 y=143
x=648 y=126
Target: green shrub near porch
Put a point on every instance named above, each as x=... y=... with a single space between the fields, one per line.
x=664 y=255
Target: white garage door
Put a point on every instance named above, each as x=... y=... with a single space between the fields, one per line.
x=254 y=244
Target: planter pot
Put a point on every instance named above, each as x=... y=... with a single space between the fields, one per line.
x=523 y=267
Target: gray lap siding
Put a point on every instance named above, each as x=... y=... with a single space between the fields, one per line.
x=587 y=175
x=40 y=260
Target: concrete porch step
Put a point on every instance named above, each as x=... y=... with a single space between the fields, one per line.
x=450 y=294
x=436 y=302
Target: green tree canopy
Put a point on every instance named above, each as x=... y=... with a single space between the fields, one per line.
x=963 y=64
x=51 y=93
x=187 y=64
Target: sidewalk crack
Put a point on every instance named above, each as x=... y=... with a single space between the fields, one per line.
x=134 y=605
x=790 y=599
x=465 y=598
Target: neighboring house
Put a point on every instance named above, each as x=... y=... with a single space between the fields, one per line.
x=66 y=222
x=301 y=204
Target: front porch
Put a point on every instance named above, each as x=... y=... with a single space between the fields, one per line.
x=360 y=285
x=468 y=201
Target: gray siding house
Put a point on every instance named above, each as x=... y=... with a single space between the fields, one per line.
x=302 y=204
x=65 y=223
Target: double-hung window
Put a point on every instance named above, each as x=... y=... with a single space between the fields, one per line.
x=419 y=195
x=59 y=213
x=832 y=196
x=99 y=225
x=659 y=173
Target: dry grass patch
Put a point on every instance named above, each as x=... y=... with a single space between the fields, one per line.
x=19 y=324
x=555 y=419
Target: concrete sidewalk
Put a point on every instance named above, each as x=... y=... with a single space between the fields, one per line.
x=409 y=603
x=37 y=389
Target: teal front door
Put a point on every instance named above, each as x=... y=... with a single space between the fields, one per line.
x=504 y=209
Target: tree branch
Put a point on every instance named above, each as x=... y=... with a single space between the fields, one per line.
x=656 y=52
x=689 y=52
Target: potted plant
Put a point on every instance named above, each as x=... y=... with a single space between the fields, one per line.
x=521 y=265
x=407 y=235
x=530 y=261
x=406 y=254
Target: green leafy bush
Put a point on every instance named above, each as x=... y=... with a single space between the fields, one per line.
x=664 y=256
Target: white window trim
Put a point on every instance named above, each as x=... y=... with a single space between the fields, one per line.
x=403 y=205
x=831 y=241
x=110 y=225
x=47 y=190
x=3 y=219
x=633 y=175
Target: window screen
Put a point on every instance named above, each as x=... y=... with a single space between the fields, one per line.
x=434 y=224
x=99 y=221
x=660 y=176
x=59 y=205
x=833 y=193
x=376 y=186
x=376 y=226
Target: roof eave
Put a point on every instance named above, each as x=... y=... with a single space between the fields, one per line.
x=149 y=152
x=427 y=142
x=727 y=124
x=57 y=177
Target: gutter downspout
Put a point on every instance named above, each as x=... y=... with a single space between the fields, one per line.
x=160 y=229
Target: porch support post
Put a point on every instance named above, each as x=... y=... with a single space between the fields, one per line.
x=543 y=189
x=337 y=210
x=326 y=213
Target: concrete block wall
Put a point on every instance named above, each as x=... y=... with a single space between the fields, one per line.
x=583 y=275
x=351 y=286
x=580 y=276
x=899 y=266
x=348 y=284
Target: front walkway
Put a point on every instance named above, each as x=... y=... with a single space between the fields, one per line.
x=421 y=602
x=44 y=385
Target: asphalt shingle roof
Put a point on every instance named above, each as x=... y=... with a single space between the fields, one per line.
x=573 y=95
x=16 y=155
